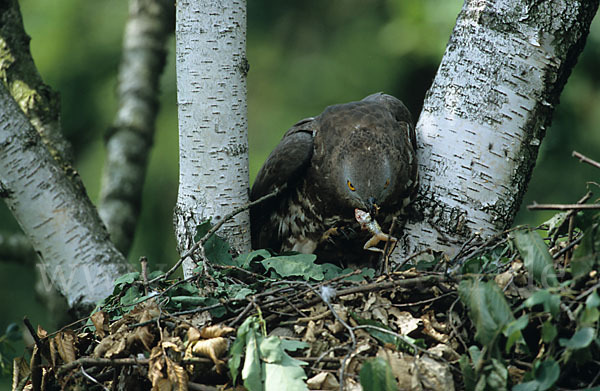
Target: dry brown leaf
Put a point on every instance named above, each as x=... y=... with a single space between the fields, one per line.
x=53 y=352
x=432 y=375
x=445 y=351
x=323 y=381
x=155 y=369
x=162 y=384
x=430 y=330
x=310 y=335
x=177 y=375
x=111 y=346
x=41 y=332
x=216 y=331
x=352 y=385
x=20 y=371
x=193 y=334
x=100 y=321
x=404 y=321
x=401 y=364
x=213 y=348
x=65 y=344
x=144 y=336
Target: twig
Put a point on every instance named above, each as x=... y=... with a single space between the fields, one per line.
x=91 y=378
x=570 y=246
x=214 y=229
x=412 y=256
x=563 y=206
x=144 y=265
x=585 y=159
x=387 y=249
x=118 y=362
x=569 y=214
x=36 y=338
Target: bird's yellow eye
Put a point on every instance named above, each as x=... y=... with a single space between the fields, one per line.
x=387 y=183
x=350 y=186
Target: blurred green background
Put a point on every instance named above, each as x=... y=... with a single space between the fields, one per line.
x=304 y=55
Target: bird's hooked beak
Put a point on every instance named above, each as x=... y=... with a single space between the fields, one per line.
x=372 y=206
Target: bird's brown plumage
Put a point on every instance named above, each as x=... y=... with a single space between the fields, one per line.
x=350 y=156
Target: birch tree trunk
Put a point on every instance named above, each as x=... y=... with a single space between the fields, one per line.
x=213 y=140
x=129 y=143
x=487 y=111
x=59 y=220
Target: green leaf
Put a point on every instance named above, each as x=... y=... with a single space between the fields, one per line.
x=244 y=260
x=266 y=364
x=546 y=374
x=238 y=346
x=292 y=345
x=513 y=331
x=130 y=298
x=215 y=248
x=128 y=278
x=549 y=332
x=536 y=257
x=468 y=373
x=253 y=371
x=587 y=255
x=488 y=309
x=556 y=221
x=301 y=265
x=588 y=317
x=242 y=293
x=190 y=300
x=593 y=300
x=282 y=372
x=551 y=302
x=581 y=339
x=497 y=375
x=376 y=375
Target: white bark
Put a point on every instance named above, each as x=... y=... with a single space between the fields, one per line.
x=211 y=97
x=130 y=138
x=486 y=113
x=61 y=223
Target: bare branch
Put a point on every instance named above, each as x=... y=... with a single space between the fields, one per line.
x=563 y=207
x=585 y=159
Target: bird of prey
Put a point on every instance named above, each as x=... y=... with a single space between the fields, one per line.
x=357 y=157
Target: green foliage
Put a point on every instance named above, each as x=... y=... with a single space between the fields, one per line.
x=482 y=375
x=488 y=310
x=537 y=259
x=544 y=376
x=266 y=365
x=587 y=255
x=7 y=350
x=501 y=321
x=376 y=375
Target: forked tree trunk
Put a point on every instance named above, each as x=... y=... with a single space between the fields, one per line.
x=213 y=140
x=487 y=112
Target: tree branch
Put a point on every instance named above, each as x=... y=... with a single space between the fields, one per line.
x=20 y=76
x=16 y=248
x=59 y=220
x=585 y=159
x=130 y=138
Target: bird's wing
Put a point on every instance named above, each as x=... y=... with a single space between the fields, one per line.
x=288 y=160
x=399 y=111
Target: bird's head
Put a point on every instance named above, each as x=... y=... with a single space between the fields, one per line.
x=366 y=180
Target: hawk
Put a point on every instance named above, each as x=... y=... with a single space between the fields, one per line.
x=353 y=156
